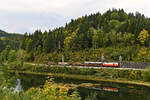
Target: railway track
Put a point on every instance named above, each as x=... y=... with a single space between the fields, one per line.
x=125 y=68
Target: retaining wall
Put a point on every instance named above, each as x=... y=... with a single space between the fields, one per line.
x=140 y=65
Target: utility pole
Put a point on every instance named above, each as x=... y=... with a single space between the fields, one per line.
x=62 y=58
x=102 y=58
x=59 y=48
x=120 y=60
x=59 y=45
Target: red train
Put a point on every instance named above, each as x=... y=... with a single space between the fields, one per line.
x=102 y=64
x=92 y=64
x=110 y=64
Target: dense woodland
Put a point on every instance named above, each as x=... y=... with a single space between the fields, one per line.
x=11 y=39
x=87 y=38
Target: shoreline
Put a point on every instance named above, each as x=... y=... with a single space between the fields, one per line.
x=87 y=77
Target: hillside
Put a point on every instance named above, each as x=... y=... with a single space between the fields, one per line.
x=11 y=39
x=9 y=35
x=87 y=38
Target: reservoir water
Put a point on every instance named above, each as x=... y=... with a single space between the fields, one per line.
x=100 y=91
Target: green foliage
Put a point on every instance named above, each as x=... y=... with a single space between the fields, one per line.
x=112 y=31
x=143 y=55
x=114 y=24
x=50 y=91
x=6 y=77
x=12 y=56
x=18 y=64
x=13 y=40
x=143 y=36
x=95 y=39
x=128 y=74
x=129 y=53
x=92 y=96
x=128 y=39
x=146 y=74
x=124 y=74
x=114 y=15
x=67 y=43
x=5 y=54
x=56 y=69
x=29 y=45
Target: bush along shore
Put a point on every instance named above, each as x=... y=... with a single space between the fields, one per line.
x=102 y=74
x=50 y=91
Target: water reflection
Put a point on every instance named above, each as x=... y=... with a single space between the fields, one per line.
x=102 y=90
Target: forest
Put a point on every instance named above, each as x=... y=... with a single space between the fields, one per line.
x=111 y=34
x=11 y=39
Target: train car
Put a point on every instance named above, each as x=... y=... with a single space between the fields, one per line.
x=51 y=63
x=101 y=64
x=93 y=64
x=86 y=62
x=110 y=64
x=63 y=63
x=78 y=64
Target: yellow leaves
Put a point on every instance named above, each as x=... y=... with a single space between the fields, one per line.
x=63 y=90
x=125 y=15
x=51 y=91
x=127 y=37
x=67 y=42
x=66 y=32
x=74 y=34
x=68 y=39
x=143 y=54
x=5 y=98
x=143 y=36
x=95 y=39
x=32 y=92
x=80 y=19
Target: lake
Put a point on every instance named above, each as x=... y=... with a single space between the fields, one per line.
x=98 y=91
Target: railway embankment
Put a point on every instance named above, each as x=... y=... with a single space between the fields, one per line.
x=128 y=76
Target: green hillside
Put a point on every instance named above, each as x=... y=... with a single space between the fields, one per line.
x=11 y=39
x=9 y=35
x=111 y=34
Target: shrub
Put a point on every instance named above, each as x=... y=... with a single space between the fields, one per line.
x=57 y=69
x=51 y=91
x=146 y=74
x=135 y=75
